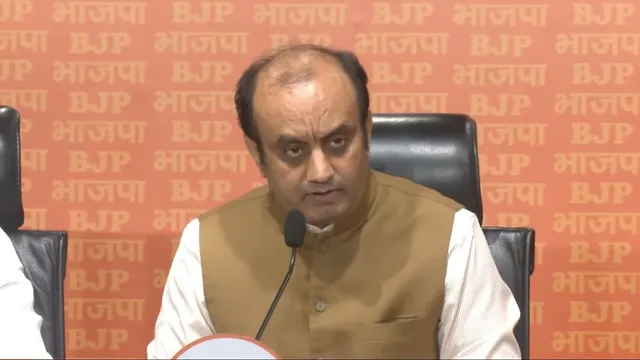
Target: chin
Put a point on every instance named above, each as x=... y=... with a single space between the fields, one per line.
x=325 y=215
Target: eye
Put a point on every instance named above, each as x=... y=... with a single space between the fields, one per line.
x=293 y=151
x=339 y=141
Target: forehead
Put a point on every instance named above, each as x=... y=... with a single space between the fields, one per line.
x=312 y=107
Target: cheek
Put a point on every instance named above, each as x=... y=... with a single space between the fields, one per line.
x=357 y=153
x=349 y=166
x=287 y=179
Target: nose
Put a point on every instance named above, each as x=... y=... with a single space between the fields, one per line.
x=319 y=169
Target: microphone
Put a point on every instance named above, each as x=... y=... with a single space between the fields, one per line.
x=294 y=230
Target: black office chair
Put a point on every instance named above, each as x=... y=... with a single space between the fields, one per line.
x=42 y=253
x=440 y=151
x=513 y=251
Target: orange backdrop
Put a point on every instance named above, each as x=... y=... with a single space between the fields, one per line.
x=129 y=132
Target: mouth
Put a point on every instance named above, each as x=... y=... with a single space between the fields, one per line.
x=321 y=193
x=323 y=196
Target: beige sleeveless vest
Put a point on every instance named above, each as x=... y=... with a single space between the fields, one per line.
x=372 y=288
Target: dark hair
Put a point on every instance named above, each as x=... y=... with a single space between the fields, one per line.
x=246 y=85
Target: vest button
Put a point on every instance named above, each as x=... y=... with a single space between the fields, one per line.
x=321 y=306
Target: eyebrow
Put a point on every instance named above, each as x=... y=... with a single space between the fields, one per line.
x=286 y=139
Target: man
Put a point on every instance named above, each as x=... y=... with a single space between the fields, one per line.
x=20 y=336
x=388 y=268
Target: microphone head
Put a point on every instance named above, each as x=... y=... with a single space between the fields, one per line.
x=295 y=227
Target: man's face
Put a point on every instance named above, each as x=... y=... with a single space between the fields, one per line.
x=312 y=139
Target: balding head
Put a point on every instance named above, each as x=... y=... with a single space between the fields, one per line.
x=305 y=113
x=293 y=64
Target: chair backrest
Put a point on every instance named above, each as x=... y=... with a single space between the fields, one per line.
x=440 y=151
x=11 y=210
x=42 y=253
x=435 y=150
x=513 y=251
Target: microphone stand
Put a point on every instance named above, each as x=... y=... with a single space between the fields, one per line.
x=276 y=299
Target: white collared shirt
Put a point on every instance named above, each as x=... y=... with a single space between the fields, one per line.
x=477 y=321
x=20 y=336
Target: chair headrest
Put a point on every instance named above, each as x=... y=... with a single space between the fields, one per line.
x=435 y=150
x=11 y=211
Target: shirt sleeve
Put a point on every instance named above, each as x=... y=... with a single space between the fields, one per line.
x=183 y=316
x=20 y=336
x=480 y=312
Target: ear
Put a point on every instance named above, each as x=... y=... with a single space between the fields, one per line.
x=369 y=127
x=252 y=147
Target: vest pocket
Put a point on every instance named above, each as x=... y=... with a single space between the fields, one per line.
x=402 y=339
x=401 y=329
